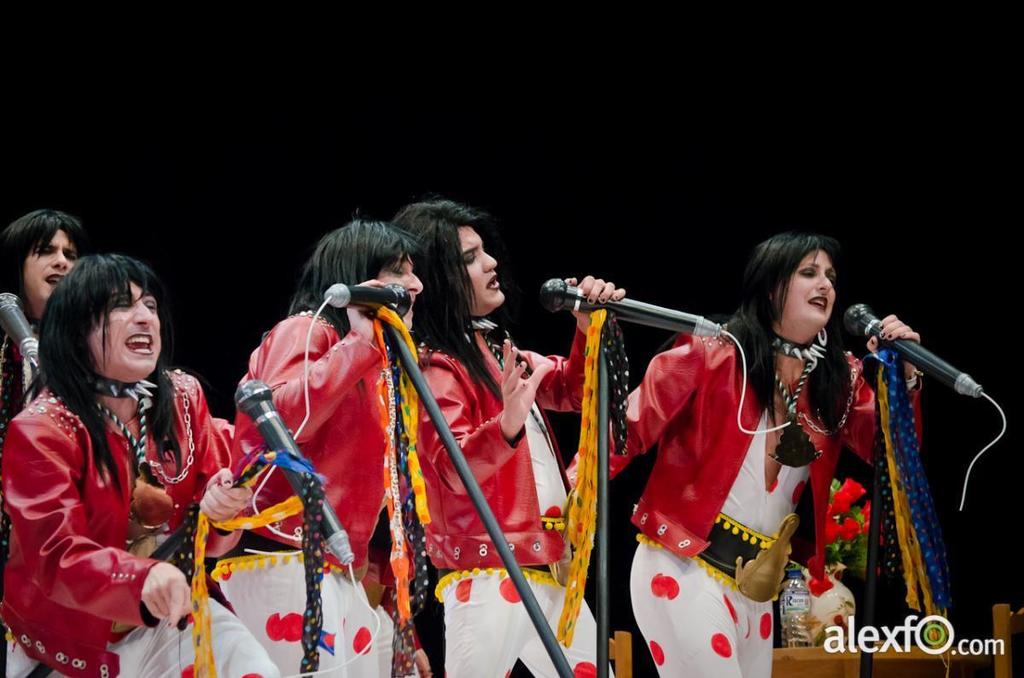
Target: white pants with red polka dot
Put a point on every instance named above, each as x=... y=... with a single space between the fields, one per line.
x=694 y=626
x=166 y=652
x=271 y=601
x=487 y=629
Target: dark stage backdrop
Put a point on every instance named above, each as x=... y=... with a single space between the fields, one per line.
x=226 y=202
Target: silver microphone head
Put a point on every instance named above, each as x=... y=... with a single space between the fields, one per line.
x=338 y=295
x=250 y=394
x=8 y=300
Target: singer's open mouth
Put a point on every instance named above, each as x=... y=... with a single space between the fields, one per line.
x=820 y=302
x=140 y=343
x=494 y=284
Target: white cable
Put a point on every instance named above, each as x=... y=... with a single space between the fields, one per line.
x=257 y=552
x=318 y=673
x=305 y=368
x=963 y=497
x=366 y=648
x=376 y=632
x=743 y=392
x=305 y=396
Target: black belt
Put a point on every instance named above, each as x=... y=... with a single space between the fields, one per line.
x=730 y=540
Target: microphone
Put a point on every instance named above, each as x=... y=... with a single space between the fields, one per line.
x=14 y=323
x=393 y=295
x=861 y=320
x=557 y=295
x=255 y=399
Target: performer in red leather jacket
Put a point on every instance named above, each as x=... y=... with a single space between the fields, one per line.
x=342 y=436
x=718 y=492
x=36 y=251
x=491 y=395
x=97 y=469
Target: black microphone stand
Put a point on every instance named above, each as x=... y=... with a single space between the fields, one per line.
x=515 y=573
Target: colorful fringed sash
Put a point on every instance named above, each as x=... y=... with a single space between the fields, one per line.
x=582 y=513
x=404 y=489
x=907 y=500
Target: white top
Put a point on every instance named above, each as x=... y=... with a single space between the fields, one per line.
x=751 y=503
x=546 y=471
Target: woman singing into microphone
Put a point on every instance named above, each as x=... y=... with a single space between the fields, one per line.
x=718 y=493
x=339 y=431
x=36 y=251
x=491 y=395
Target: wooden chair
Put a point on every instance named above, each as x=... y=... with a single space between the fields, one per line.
x=1005 y=625
x=620 y=651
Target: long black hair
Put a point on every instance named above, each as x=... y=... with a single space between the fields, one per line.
x=763 y=296
x=29 y=233
x=352 y=254
x=81 y=302
x=444 y=307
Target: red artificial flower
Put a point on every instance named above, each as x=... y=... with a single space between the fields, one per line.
x=819 y=586
x=840 y=503
x=849 y=529
x=853 y=490
x=831 y=531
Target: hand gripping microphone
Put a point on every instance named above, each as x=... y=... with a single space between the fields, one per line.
x=557 y=295
x=861 y=320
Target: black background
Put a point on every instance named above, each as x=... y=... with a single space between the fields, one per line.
x=664 y=191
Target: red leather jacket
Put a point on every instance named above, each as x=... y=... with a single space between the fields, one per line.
x=68 y=576
x=687 y=406
x=343 y=437
x=456 y=538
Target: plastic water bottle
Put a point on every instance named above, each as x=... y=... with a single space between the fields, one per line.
x=794 y=607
